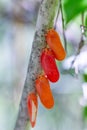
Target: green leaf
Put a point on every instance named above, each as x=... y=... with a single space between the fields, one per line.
x=85 y=75
x=86 y=20
x=85 y=112
x=72 y=8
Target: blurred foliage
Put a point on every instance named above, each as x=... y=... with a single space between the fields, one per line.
x=85 y=112
x=85 y=75
x=72 y=8
x=4 y=26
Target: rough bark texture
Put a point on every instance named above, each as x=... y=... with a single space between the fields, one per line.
x=45 y=21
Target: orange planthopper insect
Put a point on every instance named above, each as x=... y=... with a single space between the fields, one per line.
x=32 y=106
x=49 y=65
x=54 y=42
x=44 y=91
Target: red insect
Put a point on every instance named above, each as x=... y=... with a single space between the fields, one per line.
x=44 y=91
x=49 y=65
x=54 y=42
x=32 y=106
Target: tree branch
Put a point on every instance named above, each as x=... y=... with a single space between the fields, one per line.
x=45 y=21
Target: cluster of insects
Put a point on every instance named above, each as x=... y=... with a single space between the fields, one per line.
x=49 y=55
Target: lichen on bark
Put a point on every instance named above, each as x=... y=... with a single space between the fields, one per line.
x=45 y=21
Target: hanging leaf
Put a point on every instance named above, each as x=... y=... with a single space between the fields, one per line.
x=72 y=8
x=86 y=20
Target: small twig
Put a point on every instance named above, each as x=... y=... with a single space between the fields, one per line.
x=82 y=34
x=83 y=27
x=63 y=27
x=58 y=11
x=81 y=43
x=82 y=18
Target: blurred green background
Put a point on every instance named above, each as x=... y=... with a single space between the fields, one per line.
x=17 y=27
